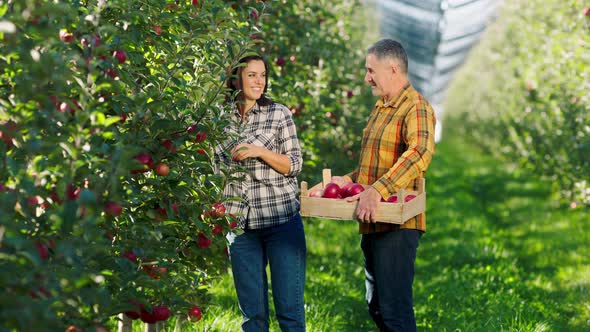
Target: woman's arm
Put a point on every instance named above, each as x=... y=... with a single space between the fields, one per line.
x=279 y=162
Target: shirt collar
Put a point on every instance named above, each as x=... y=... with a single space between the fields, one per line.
x=257 y=108
x=395 y=100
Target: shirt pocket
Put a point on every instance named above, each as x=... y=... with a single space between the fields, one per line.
x=263 y=138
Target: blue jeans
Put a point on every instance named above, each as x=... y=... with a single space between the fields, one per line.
x=283 y=248
x=389 y=273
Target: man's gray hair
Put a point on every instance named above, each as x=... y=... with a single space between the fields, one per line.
x=389 y=48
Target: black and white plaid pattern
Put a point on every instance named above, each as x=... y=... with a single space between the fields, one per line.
x=265 y=197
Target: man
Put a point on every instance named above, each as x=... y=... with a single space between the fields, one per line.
x=397 y=147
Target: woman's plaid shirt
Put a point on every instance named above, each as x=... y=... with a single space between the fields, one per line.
x=396 y=149
x=265 y=197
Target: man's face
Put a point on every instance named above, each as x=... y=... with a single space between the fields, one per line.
x=380 y=75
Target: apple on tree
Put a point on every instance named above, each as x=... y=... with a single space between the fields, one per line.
x=203 y=241
x=161 y=312
x=113 y=209
x=162 y=169
x=146 y=160
x=120 y=55
x=200 y=137
x=195 y=313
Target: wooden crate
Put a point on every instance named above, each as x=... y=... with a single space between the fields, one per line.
x=329 y=208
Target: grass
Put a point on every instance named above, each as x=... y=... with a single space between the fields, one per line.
x=499 y=255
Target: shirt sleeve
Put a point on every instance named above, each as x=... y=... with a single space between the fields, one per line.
x=352 y=175
x=289 y=143
x=419 y=137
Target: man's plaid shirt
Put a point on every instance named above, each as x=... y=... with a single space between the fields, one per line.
x=397 y=147
x=266 y=197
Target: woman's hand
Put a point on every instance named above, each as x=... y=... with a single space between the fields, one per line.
x=278 y=162
x=244 y=151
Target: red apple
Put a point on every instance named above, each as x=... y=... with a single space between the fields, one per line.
x=349 y=93
x=161 y=312
x=154 y=271
x=191 y=128
x=280 y=61
x=42 y=250
x=120 y=55
x=130 y=255
x=254 y=15
x=64 y=107
x=355 y=189
x=113 y=209
x=219 y=209
x=144 y=159
x=195 y=314
x=392 y=199
x=218 y=230
x=157 y=29
x=200 y=137
x=195 y=2
x=587 y=11
x=42 y=291
x=111 y=72
x=409 y=198
x=168 y=144
x=162 y=169
x=94 y=41
x=202 y=241
x=71 y=193
x=32 y=201
x=331 y=191
x=147 y=316
x=65 y=36
x=344 y=189
x=7 y=131
x=258 y=39
x=133 y=314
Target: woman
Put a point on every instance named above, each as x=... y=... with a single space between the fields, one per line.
x=262 y=151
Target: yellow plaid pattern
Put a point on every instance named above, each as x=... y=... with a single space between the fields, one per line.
x=396 y=149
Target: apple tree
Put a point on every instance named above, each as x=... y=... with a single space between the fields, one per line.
x=109 y=201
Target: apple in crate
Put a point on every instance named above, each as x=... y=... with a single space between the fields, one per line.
x=393 y=199
x=316 y=193
x=355 y=189
x=344 y=189
x=331 y=191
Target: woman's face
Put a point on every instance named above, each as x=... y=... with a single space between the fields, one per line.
x=253 y=80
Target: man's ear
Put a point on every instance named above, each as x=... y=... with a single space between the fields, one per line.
x=394 y=67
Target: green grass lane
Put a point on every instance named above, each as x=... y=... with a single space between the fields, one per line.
x=499 y=255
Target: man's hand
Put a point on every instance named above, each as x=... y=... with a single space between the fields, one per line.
x=244 y=151
x=369 y=199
